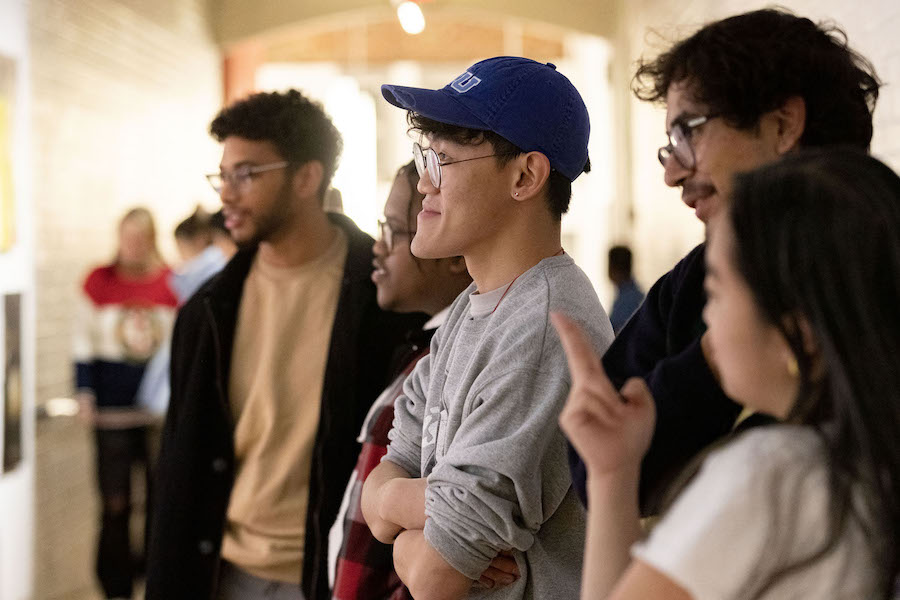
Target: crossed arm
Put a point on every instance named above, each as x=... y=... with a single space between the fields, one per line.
x=392 y=501
x=393 y=504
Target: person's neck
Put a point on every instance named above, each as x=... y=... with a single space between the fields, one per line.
x=506 y=257
x=136 y=271
x=305 y=239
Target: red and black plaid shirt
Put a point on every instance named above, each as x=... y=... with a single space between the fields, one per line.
x=365 y=566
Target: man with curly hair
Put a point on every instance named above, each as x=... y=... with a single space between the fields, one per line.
x=275 y=362
x=739 y=93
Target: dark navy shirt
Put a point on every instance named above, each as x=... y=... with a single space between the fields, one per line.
x=661 y=343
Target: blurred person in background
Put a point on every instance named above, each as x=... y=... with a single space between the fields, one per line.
x=203 y=253
x=126 y=312
x=628 y=293
x=361 y=567
x=275 y=363
x=201 y=258
x=193 y=235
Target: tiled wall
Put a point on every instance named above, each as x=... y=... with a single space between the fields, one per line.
x=123 y=91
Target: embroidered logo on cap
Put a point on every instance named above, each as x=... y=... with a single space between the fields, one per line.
x=465 y=82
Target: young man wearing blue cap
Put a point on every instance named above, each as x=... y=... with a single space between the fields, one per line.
x=477 y=463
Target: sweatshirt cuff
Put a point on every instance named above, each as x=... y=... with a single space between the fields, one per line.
x=465 y=559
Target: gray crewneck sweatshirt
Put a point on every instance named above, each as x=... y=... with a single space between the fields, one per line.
x=478 y=418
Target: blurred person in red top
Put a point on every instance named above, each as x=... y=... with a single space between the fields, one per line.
x=126 y=311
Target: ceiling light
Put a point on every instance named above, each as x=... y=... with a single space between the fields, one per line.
x=411 y=18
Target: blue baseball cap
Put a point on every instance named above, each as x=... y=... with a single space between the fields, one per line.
x=531 y=104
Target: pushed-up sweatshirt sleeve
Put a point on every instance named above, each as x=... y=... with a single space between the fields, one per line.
x=503 y=475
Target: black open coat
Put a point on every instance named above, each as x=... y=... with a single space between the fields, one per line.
x=196 y=464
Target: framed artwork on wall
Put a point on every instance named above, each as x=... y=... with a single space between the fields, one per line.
x=12 y=382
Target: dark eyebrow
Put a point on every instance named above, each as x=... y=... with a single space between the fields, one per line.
x=431 y=147
x=442 y=141
x=680 y=118
x=683 y=117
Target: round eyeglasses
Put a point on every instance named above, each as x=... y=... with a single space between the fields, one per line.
x=427 y=159
x=680 y=145
x=389 y=235
x=241 y=176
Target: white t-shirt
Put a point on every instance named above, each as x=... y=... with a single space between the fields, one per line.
x=757 y=505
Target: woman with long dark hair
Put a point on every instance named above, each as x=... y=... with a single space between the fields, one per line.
x=803 y=312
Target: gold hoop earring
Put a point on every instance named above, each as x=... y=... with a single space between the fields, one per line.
x=793 y=368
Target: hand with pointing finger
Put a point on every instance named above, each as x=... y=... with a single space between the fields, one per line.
x=610 y=429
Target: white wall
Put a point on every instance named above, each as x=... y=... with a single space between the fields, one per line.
x=122 y=93
x=17 y=276
x=587 y=230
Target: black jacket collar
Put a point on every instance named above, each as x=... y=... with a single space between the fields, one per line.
x=224 y=290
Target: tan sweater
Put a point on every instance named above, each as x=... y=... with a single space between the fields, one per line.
x=275 y=389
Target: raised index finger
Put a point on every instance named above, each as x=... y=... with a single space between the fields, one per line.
x=584 y=364
x=579 y=352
